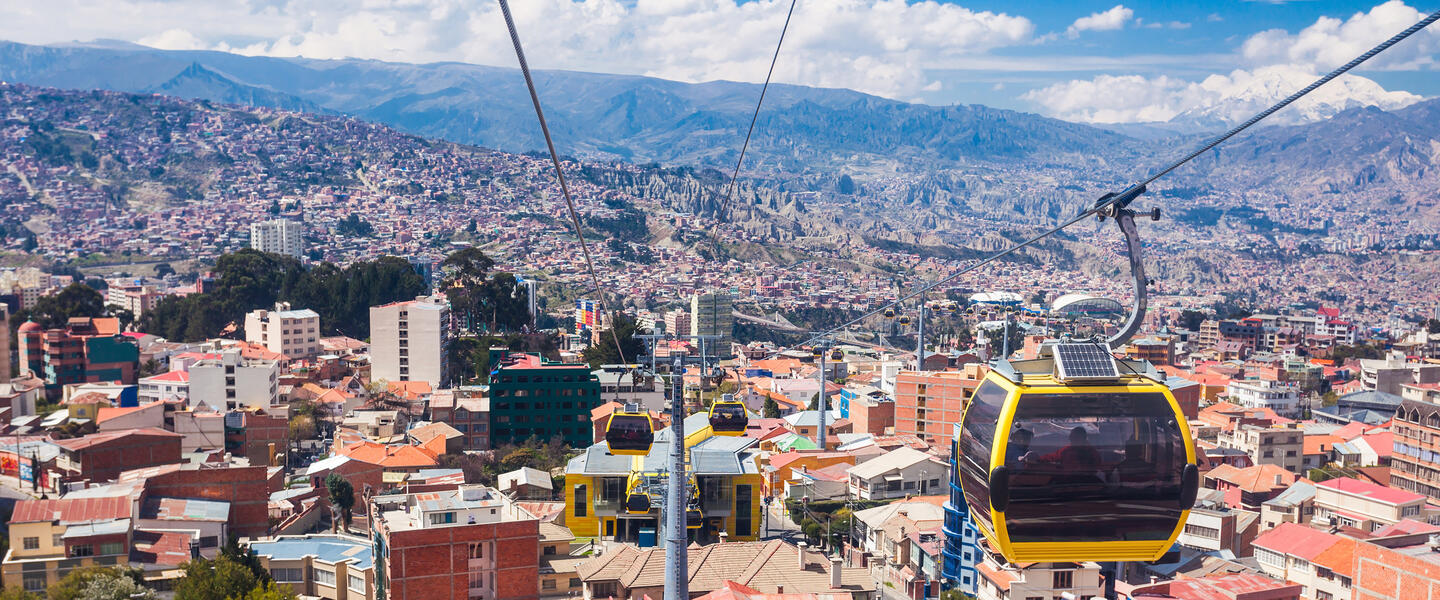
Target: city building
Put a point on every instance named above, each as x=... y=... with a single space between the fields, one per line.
x=1215 y=530
x=1039 y=580
x=133 y=296
x=409 y=341
x=100 y=457
x=467 y=542
x=293 y=333
x=677 y=322
x=1392 y=373
x=465 y=410
x=773 y=567
x=332 y=567
x=1302 y=555
x=713 y=314
x=279 y=236
x=1281 y=446
x=1234 y=586
x=1250 y=487
x=901 y=472
x=1415 y=460
x=531 y=396
x=232 y=382
x=85 y=350
x=1281 y=398
x=1294 y=505
x=170 y=386
x=929 y=404
x=51 y=537
x=1366 y=506
x=727 y=473
x=626 y=385
x=960 y=553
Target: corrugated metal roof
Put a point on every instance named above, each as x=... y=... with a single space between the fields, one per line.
x=184 y=509
x=94 y=528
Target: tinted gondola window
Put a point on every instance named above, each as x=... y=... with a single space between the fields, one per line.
x=1097 y=467
x=975 y=441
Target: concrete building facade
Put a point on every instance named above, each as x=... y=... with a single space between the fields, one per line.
x=409 y=341
x=279 y=236
x=294 y=333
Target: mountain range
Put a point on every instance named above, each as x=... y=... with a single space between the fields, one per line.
x=811 y=133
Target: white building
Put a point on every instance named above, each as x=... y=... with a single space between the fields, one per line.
x=409 y=341
x=232 y=382
x=294 y=333
x=1282 y=399
x=713 y=314
x=280 y=236
x=902 y=472
x=132 y=296
x=170 y=387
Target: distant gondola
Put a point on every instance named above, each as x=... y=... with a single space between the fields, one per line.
x=728 y=416
x=630 y=432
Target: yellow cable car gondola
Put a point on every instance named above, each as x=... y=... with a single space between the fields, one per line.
x=1063 y=458
x=637 y=498
x=630 y=431
x=904 y=320
x=837 y=355
x=889 y=313
x=728 y=416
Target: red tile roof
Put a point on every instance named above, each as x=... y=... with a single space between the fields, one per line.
x=1223 y=587
x=1370 y=490
x=175 y=376
x=169 y=548
x=1296 y=540
x=1406 y=527
x=389 y=456
x=1259 y=478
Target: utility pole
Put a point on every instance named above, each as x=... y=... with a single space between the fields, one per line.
x=677 y=563
x=820 y=398
x=920 y=336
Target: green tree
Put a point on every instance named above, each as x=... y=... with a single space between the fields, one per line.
x=270 y=591
x=521 y=457
x=1191 y=319
x=604 y=352
x=16 y=592
x=246 y=557
x=116 y=586
x=1432 y=325
x=76 y=584
x=342 y=495
x=219 y=579
x=76 y=300
x=771 y=410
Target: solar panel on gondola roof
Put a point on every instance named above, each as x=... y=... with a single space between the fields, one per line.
x=1084 y=361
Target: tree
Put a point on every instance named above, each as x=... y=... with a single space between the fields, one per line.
x=16 y=592
x=76 y=300
x=164 y=269
x=520 y=457
x=116 y=586
x=270 y=591
x=846 y=185
x=604 y=352
x=219 y=579
x=771 y=410
x=246 y=557
x=342 y=495
x=1191 y=319
x=1432 y=325
x=353 y=226
x=77 y=584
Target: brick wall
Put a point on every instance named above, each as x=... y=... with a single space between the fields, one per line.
x=433 y=563
x=245 y=488
x=1384 y=574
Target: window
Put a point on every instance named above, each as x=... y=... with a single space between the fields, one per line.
x=31 y=543
x=477 y=550
x=574 y=582
x=477 y=579
x=357 y=584
x=744 y=507
x=289 y=575
x=325 y=577
x=55 y=540
x=1063 y=580
x=35 y=582
x=79 y=550
x=1204 y=532
x=579 y=501
x=548 y=584
x=1323 y=595
x=442 y=518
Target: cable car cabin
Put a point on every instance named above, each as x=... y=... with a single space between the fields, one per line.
x=837 y=355
x=1075 y=456
x=694 y=519
x=904 y=320
x=889 y=313
x=630 y=433
x=728 y=417
x=637 y=501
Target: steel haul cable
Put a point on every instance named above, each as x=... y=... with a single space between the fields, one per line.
x=559 y=173
x=1130 y=193
x=725 y=204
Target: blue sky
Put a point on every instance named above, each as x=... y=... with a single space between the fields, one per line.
x=1105 y=62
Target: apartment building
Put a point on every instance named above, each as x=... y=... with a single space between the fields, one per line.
x=132 y=296
x=1212 y=530
x=1365 y=505
x=232 y=382
x=468 y=411
x=713 y=314
x=1001 y=581
x=332 y=567
x=1283 y=446
x=533 y=396
x=294 y=333
x=278 y=236
x=928 y=404
x=1415 y=458
x=1317 y=560
x=1282 y=398
x=468 y=542
x=85 y=350
x=409 y=341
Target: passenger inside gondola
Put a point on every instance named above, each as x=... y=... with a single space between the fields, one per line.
x=1018 y=447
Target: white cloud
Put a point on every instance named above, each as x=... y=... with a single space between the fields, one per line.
x=1217 y=100
x=1109 y=20
x=1331 y=42
x=877 y=46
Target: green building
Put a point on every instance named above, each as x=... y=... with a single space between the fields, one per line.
x=532 y=396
